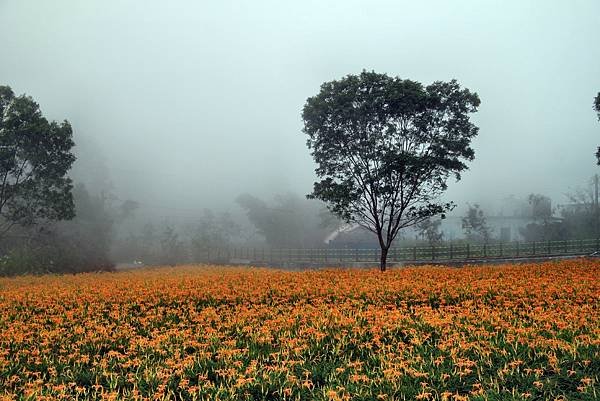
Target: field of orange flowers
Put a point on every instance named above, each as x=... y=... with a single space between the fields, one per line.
x=199 y=333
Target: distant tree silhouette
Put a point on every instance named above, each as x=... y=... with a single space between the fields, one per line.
x=430 y=230
x=289 y=221
x=212 y=231
x=541 y=207
x=474 y=224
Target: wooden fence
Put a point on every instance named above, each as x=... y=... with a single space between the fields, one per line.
x=446 y=252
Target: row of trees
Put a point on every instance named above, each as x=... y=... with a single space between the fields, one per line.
x=384 y=148
x=165 y=244
x=287 y=221
x=48 y=223
x=83 y=243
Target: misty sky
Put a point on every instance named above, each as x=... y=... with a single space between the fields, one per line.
x=189 y=104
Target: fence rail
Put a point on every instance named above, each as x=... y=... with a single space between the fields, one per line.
x=448 y=252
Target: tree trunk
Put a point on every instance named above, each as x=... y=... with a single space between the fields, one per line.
x=383 y=260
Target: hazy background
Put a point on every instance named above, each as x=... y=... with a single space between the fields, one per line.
x=186 y=105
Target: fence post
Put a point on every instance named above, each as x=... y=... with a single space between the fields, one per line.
x=451 y=251
x=485 y=250
x=517 y=249
x=432 y=252
x=501 y=249
x=414 y=253
x=548 y=247
x=533 y=248
x=468 y=251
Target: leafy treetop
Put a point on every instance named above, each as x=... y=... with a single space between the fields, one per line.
x=385 y=147
x=35 y=156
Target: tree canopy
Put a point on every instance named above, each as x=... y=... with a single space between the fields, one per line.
x=35 y=156
x=385 y=147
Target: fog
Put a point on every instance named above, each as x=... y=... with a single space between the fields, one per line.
x=185 y=106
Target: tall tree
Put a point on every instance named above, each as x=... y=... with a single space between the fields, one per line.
x=35 y=156
x=385 y=147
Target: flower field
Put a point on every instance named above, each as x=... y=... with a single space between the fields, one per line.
x=199 y=333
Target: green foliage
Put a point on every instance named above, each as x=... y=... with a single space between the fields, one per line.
x=78 y=245
x=21 y=260
x=385 y=147
x=35 y=156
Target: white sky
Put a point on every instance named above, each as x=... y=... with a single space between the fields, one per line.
x=189 y=104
